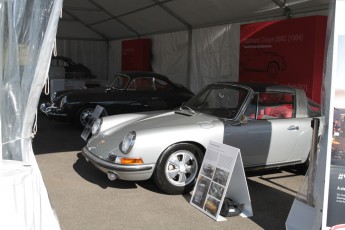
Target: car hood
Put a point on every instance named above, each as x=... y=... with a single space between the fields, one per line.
x=155 y=128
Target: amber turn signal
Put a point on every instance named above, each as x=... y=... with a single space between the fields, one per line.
x=129 y=161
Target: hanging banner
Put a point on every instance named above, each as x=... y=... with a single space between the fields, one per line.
x=289 y=52
x=334 y=217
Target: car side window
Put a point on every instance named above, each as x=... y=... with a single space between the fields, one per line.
x=120 y=82
x=161 y=85
x=252 y=108
x=141 y=84
x=276 y=105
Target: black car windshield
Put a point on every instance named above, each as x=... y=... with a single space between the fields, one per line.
x=120 y=82
x=223 y=101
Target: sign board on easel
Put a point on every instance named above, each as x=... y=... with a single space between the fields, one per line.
x=334 y=198
x=329 y=184
x=95 y=115
x=221 y=175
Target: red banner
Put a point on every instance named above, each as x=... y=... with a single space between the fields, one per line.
x=287 y=52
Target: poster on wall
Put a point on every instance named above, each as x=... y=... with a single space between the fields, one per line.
x=287 y=52
x=336 y=167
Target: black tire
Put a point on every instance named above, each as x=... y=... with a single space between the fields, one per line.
x=83 y=115
x=182 y=159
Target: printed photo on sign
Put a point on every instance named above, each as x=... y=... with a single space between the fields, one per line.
x=201 y=189
x=221 y=176
x=216 y=190
x=212 y=206
x=338 y=141
x=208 y=170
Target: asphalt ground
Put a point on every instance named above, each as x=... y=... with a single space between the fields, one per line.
x=84 y=198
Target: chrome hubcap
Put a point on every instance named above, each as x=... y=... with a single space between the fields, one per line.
x=181 y=168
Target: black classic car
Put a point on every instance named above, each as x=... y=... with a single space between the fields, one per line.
x=128 y=92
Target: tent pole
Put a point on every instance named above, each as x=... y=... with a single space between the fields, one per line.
x=189 y=57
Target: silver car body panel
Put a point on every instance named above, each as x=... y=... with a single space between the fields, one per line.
x=154 y=133
x=135 y=172
x=263 y=143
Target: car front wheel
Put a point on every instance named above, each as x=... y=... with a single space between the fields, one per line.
x=83 y=116
x=177 y=168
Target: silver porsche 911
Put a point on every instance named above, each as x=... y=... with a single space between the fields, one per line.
x=270 y=124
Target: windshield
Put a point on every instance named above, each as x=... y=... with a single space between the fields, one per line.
x=223 y=101
x=120 y=82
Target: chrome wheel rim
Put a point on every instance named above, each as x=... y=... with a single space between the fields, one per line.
x=85 y=116
x=181 y=168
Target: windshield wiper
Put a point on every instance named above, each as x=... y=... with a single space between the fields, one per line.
x=187 y=107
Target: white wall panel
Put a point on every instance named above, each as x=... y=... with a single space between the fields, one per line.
x=169 y=55
x=92 y=54
x=215 y=55
x=115 y=50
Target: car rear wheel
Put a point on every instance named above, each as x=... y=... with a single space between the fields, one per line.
x=177 y=168
x=83 y=116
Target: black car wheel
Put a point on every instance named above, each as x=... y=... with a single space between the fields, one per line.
x=177 y=168
x=83 y=116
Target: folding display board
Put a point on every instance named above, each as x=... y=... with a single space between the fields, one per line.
x=95 y=115
x=334 y=195
x=329 y=184
x=221 y=175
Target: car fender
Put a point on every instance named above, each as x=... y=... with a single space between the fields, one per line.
x=150 y=144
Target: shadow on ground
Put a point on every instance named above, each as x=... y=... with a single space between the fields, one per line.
x=54 y=136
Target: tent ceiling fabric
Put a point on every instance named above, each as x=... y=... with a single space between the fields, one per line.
x=111 y=20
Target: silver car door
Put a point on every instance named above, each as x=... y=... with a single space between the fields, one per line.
x=264 y=142
x=304 y=139
x=285 y=135
x=253 y=139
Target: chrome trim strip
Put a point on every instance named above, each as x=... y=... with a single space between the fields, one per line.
x=112 y=166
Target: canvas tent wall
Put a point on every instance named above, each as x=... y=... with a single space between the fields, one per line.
x=27 y=34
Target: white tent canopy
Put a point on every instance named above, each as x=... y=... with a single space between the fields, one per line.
x=194 y=42
x=108 y=20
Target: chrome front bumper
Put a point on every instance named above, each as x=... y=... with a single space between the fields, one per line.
x=50 y=110
x=124 y=172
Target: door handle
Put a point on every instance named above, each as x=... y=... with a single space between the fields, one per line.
x=293 y=127
x=155 y=98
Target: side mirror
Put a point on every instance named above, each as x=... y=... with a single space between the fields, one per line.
x=243 y=120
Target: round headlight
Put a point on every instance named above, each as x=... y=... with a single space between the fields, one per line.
x=63 y=101
x=128 y=142
x=96 y=126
